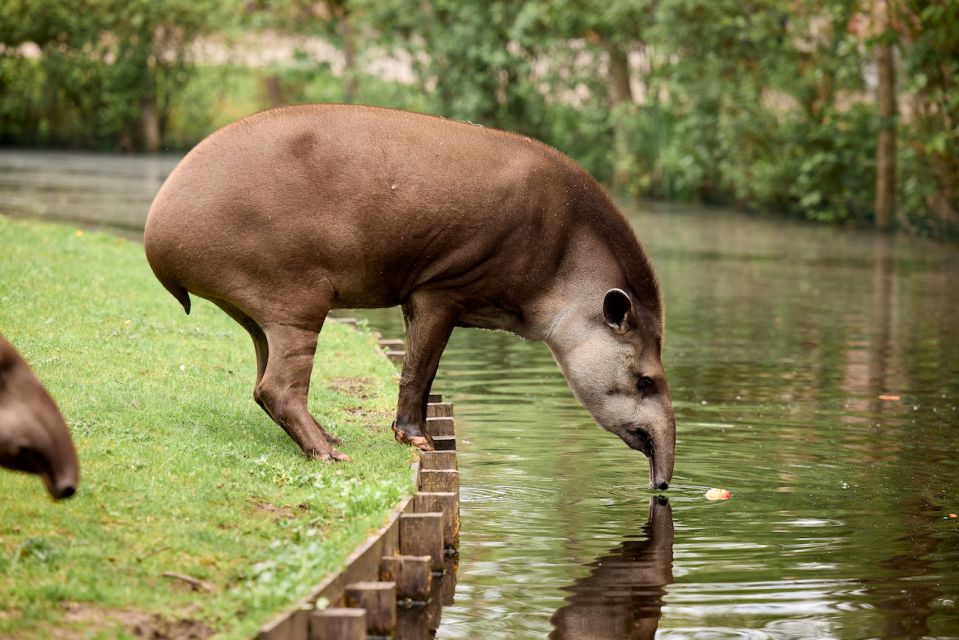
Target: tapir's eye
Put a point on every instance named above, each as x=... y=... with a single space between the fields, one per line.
x=645 y=385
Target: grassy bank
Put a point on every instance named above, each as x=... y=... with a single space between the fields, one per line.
x=181 y=472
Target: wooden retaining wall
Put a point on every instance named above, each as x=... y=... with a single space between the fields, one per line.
x=396 y=582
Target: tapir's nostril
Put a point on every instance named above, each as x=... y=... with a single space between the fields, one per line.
x=662 y=486
x=66 y=492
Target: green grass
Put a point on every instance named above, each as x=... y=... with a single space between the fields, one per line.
x=180 y=470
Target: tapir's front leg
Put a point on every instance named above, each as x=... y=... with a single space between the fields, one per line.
x=429 y=324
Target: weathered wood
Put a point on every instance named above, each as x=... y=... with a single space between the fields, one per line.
x=445 y=443
x=421 y=534
x=434 y=398
x=440 y=426
x=451 y=565
x=412 y=574
x=440 y=480
x=439 y=410
x=395 y=356
x=433 y=460
x=290 y=625
x=448 y=503
x=338 y=624
x=364 y=562
x=379 y=600
x=350 y=321
x=412 y=623
x=391 y=344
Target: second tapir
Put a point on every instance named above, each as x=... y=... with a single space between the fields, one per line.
x=290 y=213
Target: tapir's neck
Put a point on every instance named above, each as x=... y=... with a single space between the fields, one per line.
x=574 y=299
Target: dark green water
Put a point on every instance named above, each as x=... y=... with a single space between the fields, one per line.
x=780 y=340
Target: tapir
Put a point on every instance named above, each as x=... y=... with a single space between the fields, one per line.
x=33 y=435
x=284 y=215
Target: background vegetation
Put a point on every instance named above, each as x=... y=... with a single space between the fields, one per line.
x=833 y=110
x=181 y=472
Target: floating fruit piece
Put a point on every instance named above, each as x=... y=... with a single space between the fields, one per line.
x=954 y=515
x=889 y=396
x=719 y=494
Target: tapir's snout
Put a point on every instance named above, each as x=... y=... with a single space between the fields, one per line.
x=33 y=435
x=658 y=445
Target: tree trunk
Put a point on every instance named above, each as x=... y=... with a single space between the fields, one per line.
x=149 y=124
x=886 y=103
x=620 y=96
x=349 y=57
x=274 y=92
x=619 y=89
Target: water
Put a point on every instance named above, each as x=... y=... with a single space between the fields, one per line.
x=781 y=338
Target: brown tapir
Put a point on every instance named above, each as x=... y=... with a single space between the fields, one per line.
x=289 y=213
x=33 y=435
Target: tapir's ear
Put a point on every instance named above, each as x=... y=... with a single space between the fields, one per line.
x=617 y=308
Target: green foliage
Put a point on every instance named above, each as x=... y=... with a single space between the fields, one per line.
x=180 y=470
x=100 y=63
x=759 y=104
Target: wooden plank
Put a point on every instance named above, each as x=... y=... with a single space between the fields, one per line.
x=290 y=625
x=421 y=534
x=338 y=624
x=438 y=460
x=392 y=344
x=441 y=426
x=439 y=410
x=434 y=398
x=440 y=480
x=364 y=562
x=379 y=600
x=395 y=356
x=413 y=576
x=446 y=502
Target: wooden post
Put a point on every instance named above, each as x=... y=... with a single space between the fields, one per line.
x=396 y=357
x=439 y=410
x=440 y=426
x=436 y=460
x=421 y=534
x=412 y=623
x=292 y=626
x=434 y=398
x=412 y=574
x=446 y=480
x=448 y=587
x=391 y=344
x=379 y=600
x=338 y=624
x=448 y=503
x=445 y=443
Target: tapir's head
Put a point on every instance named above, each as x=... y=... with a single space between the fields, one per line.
x=33 y=436
x=613 y=365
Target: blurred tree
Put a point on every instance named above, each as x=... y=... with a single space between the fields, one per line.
x=886 y=105
x=105 y=69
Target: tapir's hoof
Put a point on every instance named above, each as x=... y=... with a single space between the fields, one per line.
x=329 y=455
x=423 y=443
x=333 y=440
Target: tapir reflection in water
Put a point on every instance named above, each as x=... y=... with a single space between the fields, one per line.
x=33 y=436
x=289 y=213
x=622 y=597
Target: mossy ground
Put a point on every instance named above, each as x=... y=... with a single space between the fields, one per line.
x=181 y=472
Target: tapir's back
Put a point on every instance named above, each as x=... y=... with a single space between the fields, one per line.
x=376 y=201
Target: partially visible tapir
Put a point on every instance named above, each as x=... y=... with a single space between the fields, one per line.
x=33 y=436
x=289 y=213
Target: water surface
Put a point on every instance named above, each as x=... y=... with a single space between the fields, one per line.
x=781 y=338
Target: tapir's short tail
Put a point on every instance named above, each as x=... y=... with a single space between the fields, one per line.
x=179 y=292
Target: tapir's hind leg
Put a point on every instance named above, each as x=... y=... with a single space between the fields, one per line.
x=262 y=347
x=285 y=384
x=429 y=324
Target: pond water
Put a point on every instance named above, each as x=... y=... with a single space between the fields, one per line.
x=782 y=342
